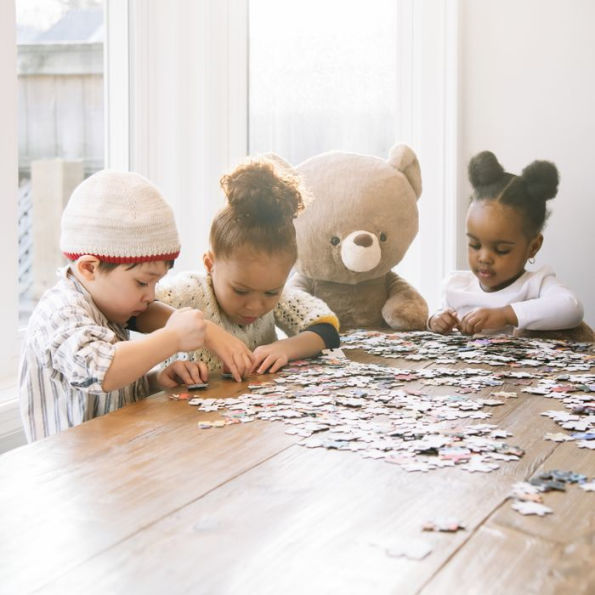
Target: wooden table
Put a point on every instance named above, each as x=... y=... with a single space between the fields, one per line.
x=142 y=501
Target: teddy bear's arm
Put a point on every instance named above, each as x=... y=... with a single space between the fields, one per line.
x=405 y=309
x=299 y=281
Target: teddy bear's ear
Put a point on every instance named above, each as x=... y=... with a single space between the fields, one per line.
x=403 y=158
x=279 y=161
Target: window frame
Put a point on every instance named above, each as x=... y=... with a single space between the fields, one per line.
x=9 y=347
x=212 y=43
x=216 y=34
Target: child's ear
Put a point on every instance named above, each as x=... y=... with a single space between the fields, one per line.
x=208 y=260
x=86 y=266
x=535 y=245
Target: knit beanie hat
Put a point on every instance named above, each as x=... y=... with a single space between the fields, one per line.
x=119 y=217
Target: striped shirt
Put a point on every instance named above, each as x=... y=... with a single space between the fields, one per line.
x=69 y=345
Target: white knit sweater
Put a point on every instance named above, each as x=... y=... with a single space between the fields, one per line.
x=295 y=312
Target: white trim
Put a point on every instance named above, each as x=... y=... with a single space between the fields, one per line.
x=404 y=92
x=11 y=427
x=8 y=191
x=140 y=97
x=430 y=124
x=451 y=121
x=237 y=79
x=117 y=80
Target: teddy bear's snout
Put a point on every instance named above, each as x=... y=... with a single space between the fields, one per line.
x=360 y=251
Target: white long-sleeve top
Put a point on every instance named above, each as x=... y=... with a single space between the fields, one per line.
x=538 y=299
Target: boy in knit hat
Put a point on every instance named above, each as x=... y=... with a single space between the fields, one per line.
x=77 y=363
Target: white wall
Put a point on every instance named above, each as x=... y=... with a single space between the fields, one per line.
x=527 y=91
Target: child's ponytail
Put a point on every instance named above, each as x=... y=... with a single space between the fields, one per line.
x=263 y=198
x=541 y=180
x=485 y=170
x=260 y=194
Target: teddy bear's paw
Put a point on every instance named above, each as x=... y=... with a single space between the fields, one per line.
x=409 y=317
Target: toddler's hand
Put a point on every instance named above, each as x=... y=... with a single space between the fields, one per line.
x=444 y=321
x=236 y=357
x=182 y=372
x=190 y=327
x=269 y=358
x=487 y=318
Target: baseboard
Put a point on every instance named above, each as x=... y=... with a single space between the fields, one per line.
x=13 y=440
x=11 y=428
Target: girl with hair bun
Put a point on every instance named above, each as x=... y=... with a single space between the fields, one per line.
x=252 y=251
x=504 y=230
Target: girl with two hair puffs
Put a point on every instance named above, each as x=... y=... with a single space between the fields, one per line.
x=504 y=230
x=252 y=251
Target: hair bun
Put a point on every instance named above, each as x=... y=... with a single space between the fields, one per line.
x=484 y=169
x=261 y=193
x=541 y=180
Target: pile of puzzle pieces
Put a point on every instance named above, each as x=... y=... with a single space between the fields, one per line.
x=334 y=403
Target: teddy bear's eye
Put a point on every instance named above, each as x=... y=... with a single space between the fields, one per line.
x=383 y=237
x=335 y=240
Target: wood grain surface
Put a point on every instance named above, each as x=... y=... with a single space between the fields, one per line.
x=143 y=501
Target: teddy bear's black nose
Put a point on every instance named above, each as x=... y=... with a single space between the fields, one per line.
x=363 y=239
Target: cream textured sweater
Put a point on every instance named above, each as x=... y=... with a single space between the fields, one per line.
x=295 y=312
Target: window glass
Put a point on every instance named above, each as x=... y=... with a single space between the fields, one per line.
x=322 y=76
x=60 y=126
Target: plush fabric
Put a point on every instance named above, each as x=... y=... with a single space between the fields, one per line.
x=358 y=224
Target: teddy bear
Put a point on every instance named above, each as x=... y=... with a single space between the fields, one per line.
x=359 y=223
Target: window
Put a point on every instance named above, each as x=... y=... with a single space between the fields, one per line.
x=60 y=127
x=359 y=77
x=323 y=76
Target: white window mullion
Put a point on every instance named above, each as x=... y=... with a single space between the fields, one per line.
x=117 y=85
x=434 y=117
x=9 y=346
x=237 y=79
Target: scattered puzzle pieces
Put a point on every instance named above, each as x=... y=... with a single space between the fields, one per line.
x=444 y=524
x=331 y=402
x=525 y=507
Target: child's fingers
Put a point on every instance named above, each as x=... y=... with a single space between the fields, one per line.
x=240 y=366
x=442 y=323
x=450 y=318
x=268 y=361
x=464 y=325
x=186 y=372
x=203 y=372
x=233 y=370
x=194 y=371
x=470 y=324
x=230 y=367
x=277 y=365
x=259 y=358
x=247 y=360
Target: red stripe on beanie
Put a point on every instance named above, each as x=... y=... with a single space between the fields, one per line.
x=126 y=259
